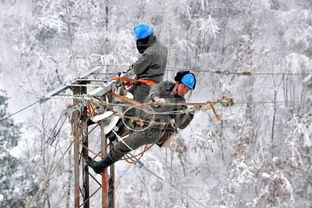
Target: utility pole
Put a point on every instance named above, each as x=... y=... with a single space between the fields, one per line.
x=104 y=173
x=80 y=129
x=111 y=183
x=111 y=180
x=84 y=152
x=76 y=134
x=80 y=133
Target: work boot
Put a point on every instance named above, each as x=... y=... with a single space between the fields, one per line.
x=99 y=166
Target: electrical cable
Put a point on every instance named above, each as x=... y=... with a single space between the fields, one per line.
x=7 y=117
x=141 y=165
x=206 y=70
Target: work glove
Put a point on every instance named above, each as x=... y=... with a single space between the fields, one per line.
x=158 y=101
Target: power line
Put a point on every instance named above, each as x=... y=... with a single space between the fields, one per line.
x=178 y=69
x=268 y=102
x=68 y=96
x=140 y=164
x=43 y=184
x=202 y=70
x=7 y=117
x=281 y=73
x=223 y=72
x=71 y=97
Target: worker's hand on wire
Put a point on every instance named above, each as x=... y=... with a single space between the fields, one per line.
x=158 y=101
x=195 y=109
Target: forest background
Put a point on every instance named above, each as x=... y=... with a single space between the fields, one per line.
x=257 y=156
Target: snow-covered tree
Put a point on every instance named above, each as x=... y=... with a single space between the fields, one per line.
x=259 y=155
x=16 y=185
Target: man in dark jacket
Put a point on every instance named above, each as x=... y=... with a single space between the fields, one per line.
x=152 y=63
x=160 y=94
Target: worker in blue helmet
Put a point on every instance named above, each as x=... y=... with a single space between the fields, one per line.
x=167 y=119
x=151 y=64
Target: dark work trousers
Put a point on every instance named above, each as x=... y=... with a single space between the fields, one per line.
x=140 y=91
x=135 y=140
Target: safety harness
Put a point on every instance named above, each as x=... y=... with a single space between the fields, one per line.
x=129 y=81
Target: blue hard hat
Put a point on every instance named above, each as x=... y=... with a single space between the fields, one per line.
x=142 y=31
x=189 y=80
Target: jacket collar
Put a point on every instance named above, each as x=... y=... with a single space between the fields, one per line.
x=143 y=44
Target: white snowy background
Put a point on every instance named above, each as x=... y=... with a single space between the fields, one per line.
x=259 y=155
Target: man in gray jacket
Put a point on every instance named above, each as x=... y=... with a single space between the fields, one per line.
x=160 y=94
x=152 y=63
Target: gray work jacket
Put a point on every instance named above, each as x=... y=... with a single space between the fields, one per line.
x=152 y=64
x=166 y=113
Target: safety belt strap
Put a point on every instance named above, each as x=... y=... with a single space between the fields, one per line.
x=131 y=81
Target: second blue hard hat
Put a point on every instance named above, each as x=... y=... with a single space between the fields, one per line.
x=142 y=31
x=189 y=80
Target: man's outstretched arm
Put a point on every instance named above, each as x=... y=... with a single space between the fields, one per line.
x=182 y=120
